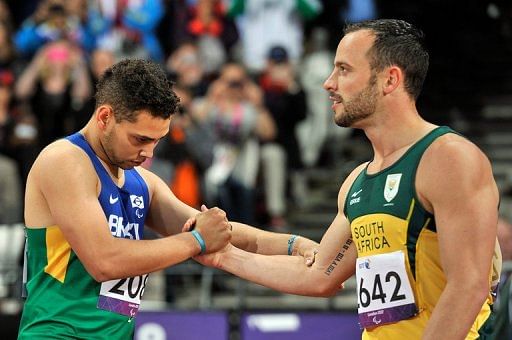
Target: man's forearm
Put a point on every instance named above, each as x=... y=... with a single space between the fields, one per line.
x=287 y=274
x=259 y=241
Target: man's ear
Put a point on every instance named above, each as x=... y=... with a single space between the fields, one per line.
x=104 y=115
x=394 y=77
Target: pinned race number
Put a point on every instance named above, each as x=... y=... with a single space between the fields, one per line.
x=122 y=296
x=384 y=293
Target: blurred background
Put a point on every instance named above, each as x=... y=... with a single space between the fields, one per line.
x=254 y=134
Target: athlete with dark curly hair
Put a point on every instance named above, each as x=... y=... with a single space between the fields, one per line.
x=87 y=201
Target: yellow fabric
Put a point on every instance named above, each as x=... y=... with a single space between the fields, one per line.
x=380 y=234
x=58 y=252
x=430 y=280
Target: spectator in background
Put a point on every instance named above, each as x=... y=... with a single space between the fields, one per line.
x=263 y=24
x=315 y=68
x=100 y=60
x=5 y=15
x=208 y=18
x=128 y=27
x=234 y=110
x=55 y=83
x=10 y=191
x=18 y=150
x=8 y=54
x=172 y=31
x=51 y=22
x=360 y=10
x=10 y=186
x=82 y=14
x=175 y=160
x=185 y=68
x=286 y=102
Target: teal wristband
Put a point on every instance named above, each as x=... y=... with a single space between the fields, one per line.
x=291 y=241
x=199 y=240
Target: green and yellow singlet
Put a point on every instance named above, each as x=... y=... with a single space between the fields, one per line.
x=398 y=269
x=63 y=301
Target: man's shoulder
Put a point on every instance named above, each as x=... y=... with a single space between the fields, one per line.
x=347 y=183
x=454 y=150
x=453 y=162
x=60 y=157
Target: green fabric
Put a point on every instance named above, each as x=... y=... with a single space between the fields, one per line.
x=236 y=7
x=502 y=326
x=401 y=203
x=65 y=310
x=308 y=9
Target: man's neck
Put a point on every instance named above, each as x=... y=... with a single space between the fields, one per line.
x=393 y=134
x=92 y=137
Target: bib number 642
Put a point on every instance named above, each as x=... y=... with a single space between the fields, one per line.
x=378 y=293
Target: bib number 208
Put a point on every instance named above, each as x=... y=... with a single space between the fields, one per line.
x=134 y=287
x=392 y=280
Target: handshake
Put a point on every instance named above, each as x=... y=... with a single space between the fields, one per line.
x=212 y=231
x=210 y=228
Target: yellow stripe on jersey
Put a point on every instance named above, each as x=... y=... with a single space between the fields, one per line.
x=411 y=209
x=58 y=252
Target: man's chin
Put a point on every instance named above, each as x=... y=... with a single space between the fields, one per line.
x=127 y=165
x=340 y=120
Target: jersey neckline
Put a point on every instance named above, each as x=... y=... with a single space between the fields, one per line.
x=406 y=153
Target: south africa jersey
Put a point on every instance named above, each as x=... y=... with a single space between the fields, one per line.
x=398 y=269
x=63 y=300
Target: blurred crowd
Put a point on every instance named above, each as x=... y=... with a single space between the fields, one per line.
x=249 y=73
x=248 y=124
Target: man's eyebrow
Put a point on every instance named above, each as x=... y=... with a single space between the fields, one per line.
x=145 y=137
x=340 y=63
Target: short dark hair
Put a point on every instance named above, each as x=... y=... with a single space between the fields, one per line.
x=132 y=85
x=399 y=43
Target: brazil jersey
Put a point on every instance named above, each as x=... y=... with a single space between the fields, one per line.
x=398 y=269
x=63 y=300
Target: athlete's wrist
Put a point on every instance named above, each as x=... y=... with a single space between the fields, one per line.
x=292 y=243
x=199 y=240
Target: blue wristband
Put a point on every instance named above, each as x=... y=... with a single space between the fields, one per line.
x=199 y=240
x=291 y=241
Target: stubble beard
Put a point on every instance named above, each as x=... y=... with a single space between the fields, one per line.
x=360 y=107
x=107 y=144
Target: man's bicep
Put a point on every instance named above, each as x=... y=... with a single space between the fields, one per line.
x=167 y=213
x=465 y=204
x=467 y=232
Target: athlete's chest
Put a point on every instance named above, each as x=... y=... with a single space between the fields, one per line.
x=387 y=193
x=125 y=209
x=378 y=208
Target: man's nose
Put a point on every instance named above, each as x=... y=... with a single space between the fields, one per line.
x=147 y=150
x=330 y=83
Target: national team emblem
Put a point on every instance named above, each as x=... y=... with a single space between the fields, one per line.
x=137 y=201
x=391 y=186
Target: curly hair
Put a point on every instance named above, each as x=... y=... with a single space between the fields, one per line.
x=132 y=85
x=399 y=43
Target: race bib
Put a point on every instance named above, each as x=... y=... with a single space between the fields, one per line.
x=122 y=296
x=384 y=293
